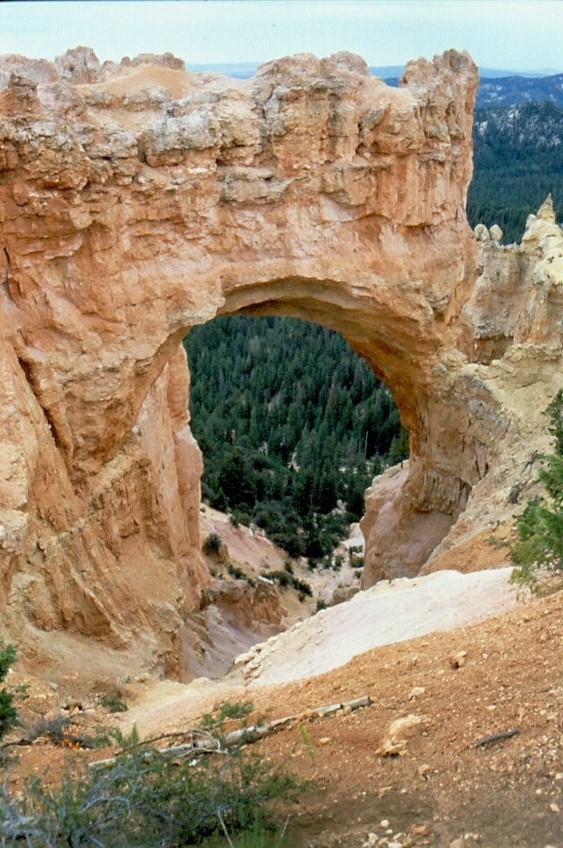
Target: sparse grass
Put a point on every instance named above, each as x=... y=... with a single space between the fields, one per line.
x=497 y=543
x=260 y=835
x=226 y=710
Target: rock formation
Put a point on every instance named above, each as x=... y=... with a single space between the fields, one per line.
x=138 y=200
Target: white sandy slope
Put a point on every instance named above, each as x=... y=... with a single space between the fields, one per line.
x=388 y=612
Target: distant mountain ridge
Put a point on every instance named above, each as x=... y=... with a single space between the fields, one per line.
x=515 y=90
x=496 y=87
x=235 y=69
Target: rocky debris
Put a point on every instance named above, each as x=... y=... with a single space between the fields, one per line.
x=138 y=200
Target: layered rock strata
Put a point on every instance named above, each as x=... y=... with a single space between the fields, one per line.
x=138 y=200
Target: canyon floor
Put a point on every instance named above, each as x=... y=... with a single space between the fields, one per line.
x=432 y=781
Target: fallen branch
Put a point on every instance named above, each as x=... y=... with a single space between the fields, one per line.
x=496 y=737
x=202 y=742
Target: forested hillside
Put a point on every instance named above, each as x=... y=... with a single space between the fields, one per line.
x=515 y=89
x=518 y=161
x=292 y=425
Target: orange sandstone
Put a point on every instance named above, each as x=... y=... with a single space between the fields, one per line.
x=138 y=200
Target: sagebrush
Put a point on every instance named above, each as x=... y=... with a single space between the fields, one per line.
x=144 y=799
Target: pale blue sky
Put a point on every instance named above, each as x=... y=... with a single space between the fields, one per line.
x=513 y=34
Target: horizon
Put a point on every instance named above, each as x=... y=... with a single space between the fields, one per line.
x=513 y=35
x=391 y=69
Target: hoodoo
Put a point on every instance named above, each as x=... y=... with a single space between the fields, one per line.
x=137 y=200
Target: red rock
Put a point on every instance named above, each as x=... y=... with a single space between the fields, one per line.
x=139 y=200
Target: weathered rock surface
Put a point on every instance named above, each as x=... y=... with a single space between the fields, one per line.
x=138 y=200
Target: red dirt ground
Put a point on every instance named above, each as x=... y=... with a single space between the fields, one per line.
x=444 y=791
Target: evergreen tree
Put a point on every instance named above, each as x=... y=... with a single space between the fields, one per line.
x=540 y=527
x=8 y=713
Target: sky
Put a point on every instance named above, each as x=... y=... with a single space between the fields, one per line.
x=524 y=35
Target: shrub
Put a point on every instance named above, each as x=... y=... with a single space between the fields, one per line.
x=212 y=545
x=337 y=563
x=143 y=798
x=235 y=572
x=235 y=709
x=226 y=710
x=114 y=704
x=282 y=578
x=302 y=587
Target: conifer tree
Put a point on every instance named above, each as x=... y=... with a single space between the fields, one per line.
x=540 y=527
x=8 y=713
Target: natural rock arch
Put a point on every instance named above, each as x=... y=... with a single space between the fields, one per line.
x=139 y=200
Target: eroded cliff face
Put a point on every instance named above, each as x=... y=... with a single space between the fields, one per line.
x=139 y=200
x=496 y=395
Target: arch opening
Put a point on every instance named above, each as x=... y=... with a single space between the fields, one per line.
x=293 y=426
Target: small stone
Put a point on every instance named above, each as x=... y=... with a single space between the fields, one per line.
x=424 y=771
x=457 y=843
x=420 y=830
x=384 y=823
x=458 y=660
x=416 y=691
x=554 y=807
x=324 y=740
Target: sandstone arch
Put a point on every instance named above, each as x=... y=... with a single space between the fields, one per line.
x=139 y=200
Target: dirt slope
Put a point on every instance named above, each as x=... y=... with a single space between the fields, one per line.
x=500 y=674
